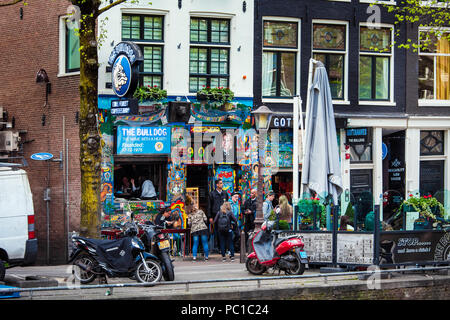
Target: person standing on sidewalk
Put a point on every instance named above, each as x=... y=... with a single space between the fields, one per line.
x=223 y=221
x=236 y=209
x=249 y=211
x=199 y=230
x=216 y=198
x=268 y=206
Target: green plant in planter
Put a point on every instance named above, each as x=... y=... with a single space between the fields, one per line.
x=306 y=206
x=427 y=206
x=150 y=93
x=220 y=95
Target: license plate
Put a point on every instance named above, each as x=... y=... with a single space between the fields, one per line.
x=303 y=255
x=163 y=244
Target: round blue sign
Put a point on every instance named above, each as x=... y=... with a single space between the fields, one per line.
x=121 y=74
x=42 y=156
x=384 y=150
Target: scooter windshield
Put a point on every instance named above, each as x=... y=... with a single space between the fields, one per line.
x=263 y=246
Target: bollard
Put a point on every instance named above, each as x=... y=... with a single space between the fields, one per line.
x=242 y=253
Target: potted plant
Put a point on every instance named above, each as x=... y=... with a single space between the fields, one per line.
x=307 y=207
x=150 y=93
x=427 y=206
x=216 y=97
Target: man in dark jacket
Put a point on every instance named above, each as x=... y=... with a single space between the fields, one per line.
x=249 y=211
x=216 y=198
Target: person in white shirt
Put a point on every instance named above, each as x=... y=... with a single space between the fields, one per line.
x=148 y=190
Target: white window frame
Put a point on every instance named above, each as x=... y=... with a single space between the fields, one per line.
x=298 y=58
x=62 y=49
x=391 y=55
x=345 y=53
x=433 y=102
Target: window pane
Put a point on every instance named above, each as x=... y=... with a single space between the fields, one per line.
x=382 y=78
x=280 y=34
x=72 y=50
x=152 y=59
x=365 y=77
x=199 y=30
x=371 y=39
x=334 y=63
x=329 y=37
x=269 y=76
x=442 y=70
x=336 y=75
x=287 y=70
x=152 y=81
x=431 y=142
x=426 y=77
x=126 y=28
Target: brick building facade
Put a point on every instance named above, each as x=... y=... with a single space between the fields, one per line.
x=31 y=40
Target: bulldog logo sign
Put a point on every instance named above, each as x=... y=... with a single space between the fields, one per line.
x=125 y=59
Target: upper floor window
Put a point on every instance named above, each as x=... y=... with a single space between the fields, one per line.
x=209 y=53
x=279 y=60
x=69 y=58
x=148 y=33
x=330 y=47
x=72 y=50
x=434 y=66
x=375 y=64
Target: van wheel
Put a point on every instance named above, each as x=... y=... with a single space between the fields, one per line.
x=2 y=270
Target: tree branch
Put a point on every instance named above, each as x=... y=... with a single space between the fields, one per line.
x=10 y=3
x=115 y=3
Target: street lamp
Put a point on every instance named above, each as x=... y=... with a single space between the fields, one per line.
x=263 y=115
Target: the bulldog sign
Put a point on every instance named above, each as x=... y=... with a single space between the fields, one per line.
x=125 y=59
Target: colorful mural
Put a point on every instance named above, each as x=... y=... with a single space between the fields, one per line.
x=228 y=176
x=178 y=208
x=176 y=181
x=107 y=171
x=237 y=113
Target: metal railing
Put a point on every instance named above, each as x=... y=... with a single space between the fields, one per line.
x=187 y=284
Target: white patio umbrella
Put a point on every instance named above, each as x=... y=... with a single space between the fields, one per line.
x=321 y=170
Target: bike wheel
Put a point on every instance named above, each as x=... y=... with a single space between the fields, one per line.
x=298 y=267
x=168 y=273
x=254 y=267
x=81 y=275
x=148 y=271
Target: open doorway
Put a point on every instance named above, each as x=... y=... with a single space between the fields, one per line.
x=197 y=177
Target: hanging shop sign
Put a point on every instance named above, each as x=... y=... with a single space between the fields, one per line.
x=282 y=122
x=124 y=107
x=357 y=136
x=125 y=59
x=143 y=140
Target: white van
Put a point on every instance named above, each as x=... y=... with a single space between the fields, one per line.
x=18 y=243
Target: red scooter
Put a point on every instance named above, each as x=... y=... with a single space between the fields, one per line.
x=285 y=254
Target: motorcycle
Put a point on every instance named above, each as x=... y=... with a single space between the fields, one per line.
x=158 y=244
x=284 y=254
x=124 y=257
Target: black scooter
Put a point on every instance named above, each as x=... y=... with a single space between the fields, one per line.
x=125 y=257
x=158 y=244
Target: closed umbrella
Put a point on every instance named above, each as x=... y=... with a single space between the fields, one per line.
x=321 y=170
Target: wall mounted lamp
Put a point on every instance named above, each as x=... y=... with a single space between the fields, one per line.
x=42 y=77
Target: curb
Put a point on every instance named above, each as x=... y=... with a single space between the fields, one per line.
x=30 y=281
